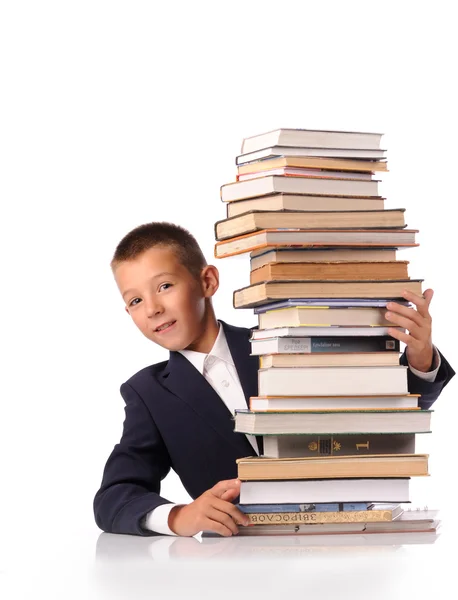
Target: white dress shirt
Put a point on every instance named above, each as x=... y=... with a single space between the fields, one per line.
x=219 y=370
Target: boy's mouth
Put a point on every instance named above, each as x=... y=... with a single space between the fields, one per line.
x=165 y=327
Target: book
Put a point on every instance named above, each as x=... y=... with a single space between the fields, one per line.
x=312 y=508
x=279 y=184
x=303 y=172
x=317 y=138
x=332 y=422
x=322 y=219
x=329 y=359
x=324 y=344
x=333 y=381
x=292 y=446
x=318 y=238
x=279 y=151
x=356 y=516
x=327 y=303
x=332 y=467
x=304 y=202
x=300 y=316
x=323 y=331
x=330 y=270
x=266 y=292
x=317 y=162
x=388 y=490
x=422 y=524
x=315 y=255
x=303 y=403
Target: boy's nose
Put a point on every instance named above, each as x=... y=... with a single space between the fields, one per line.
x=153 y=308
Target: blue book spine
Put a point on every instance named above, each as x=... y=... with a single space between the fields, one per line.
x=276 y=508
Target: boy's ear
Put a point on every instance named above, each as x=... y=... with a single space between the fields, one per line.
x=210 y=280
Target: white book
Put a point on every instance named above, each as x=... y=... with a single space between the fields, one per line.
x=332 y=422
x=297 y=403
x=318 y=138
x=332 y=381
x=326 y=330
x=325 y=490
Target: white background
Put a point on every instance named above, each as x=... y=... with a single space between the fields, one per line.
x=116 y=113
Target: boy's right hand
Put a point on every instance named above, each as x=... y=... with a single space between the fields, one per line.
x=212 y=511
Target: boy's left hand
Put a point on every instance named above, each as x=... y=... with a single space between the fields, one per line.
x=418 y=324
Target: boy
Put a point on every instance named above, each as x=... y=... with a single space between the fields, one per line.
x=179 y=412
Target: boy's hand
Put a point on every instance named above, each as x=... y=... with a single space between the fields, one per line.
x=418 y=323
x=212 y=511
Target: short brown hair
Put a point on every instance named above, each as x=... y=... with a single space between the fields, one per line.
x=149 y=235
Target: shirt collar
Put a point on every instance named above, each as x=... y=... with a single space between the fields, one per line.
x=219 y=351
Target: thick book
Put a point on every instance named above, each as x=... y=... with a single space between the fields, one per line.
x=302 y=316
x=333 y=381
x=313 y=255
x=412 y=522
x=294 y=446
x=333 y=507
x=392 y=490
x=317 y=138
x=332 y=422
x=317 y=238
x=304 y=202
x=332 y=467
x=357 y=516
x=279 y=184
x=278 y=151
x=267 y=292
x=331 y=270
x=329 y=344
x=304 y=403
x=329 y=359
x=313 y=162
x=256 y=220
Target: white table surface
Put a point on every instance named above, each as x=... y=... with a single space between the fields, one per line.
x=104 y=566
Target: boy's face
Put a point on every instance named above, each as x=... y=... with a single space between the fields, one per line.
x=166 y=302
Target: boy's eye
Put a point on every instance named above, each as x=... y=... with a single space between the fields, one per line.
x=134 y=302
x=165 y=286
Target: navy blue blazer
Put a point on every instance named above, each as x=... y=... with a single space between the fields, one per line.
x=175 y=420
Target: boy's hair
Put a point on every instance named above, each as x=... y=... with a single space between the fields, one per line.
x=164 y=234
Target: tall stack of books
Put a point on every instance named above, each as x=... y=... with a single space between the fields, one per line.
x=334 y=418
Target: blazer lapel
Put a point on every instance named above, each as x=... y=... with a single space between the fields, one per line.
x=247 y=366
x=182 y=379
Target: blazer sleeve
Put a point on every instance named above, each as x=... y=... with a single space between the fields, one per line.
x=429 y=391
x=133 y=473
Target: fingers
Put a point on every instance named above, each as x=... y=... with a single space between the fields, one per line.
x=230 y=495
x=236 y=514
x=220 y=488
x=421 y=302
x=224 y=520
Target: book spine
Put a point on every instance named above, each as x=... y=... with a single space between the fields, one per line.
x=338 y=445
x=338 y=344
x=303 y=508
x=281 y=518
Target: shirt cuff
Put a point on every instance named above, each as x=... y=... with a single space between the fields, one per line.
x=430 y=376
x=157 y=520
